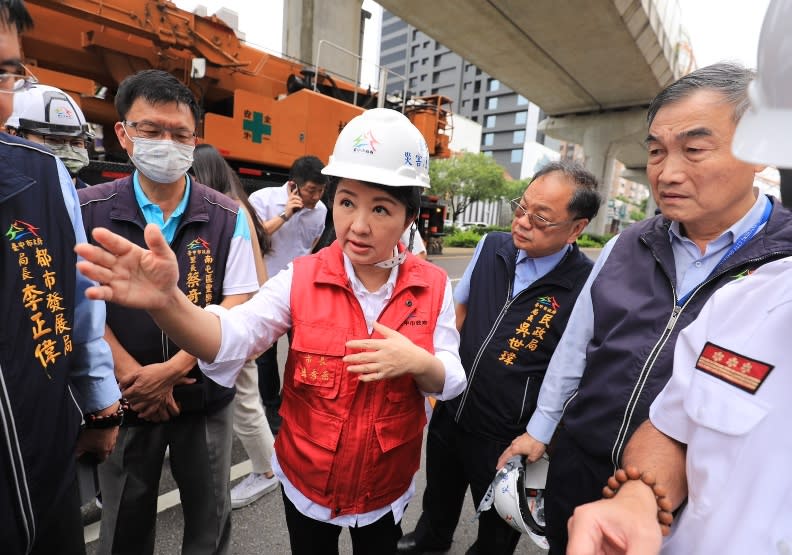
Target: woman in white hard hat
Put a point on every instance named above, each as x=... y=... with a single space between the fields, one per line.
x=373 y=333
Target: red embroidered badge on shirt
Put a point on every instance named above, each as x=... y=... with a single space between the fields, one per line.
x=746 y=373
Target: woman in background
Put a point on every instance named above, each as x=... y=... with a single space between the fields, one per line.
x=250 y=421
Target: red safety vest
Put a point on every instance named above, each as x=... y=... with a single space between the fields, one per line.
x=345 y=444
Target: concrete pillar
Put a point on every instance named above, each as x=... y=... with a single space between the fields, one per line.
x=306 y=22
x=639 y=176
x=604 y=137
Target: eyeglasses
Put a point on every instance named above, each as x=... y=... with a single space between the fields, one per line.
x=537 y=221
x=11 y=83
x=151 y=130
x=53 y=140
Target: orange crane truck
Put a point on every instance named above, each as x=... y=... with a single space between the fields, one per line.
x=260 y=110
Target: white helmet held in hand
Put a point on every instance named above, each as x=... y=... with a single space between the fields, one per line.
x=763 y=134
x=381 y=146
x=46 y=110
x=517 y=492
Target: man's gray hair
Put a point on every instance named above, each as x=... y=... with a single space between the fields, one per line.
x=728 y=78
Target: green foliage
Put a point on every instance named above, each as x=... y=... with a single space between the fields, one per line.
x=468 y=238
x=488 y=229
x=516 y=188
x=593 y=241
x=471 y=176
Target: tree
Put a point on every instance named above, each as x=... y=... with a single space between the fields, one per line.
x=466 y=178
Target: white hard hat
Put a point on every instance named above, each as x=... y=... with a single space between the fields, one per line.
x=48 y=110
x=517 y=492
x=763 y=134
x=381 y=146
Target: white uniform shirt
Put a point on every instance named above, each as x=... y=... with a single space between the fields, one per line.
x=734 y=414
x=295 y=237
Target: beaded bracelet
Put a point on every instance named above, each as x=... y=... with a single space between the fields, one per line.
x=95 y=421
x=664 y=516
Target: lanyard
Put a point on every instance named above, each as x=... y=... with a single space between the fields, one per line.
x=738 y=244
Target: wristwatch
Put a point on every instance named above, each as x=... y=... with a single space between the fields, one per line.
x=283 y=216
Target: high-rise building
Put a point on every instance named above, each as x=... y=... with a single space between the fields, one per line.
x=508 y=120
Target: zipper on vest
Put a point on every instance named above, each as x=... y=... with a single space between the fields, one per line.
x=16 y=462
x=525 y=395
x=483 y=346
x=621 y=437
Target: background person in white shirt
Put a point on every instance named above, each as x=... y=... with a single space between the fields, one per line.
x=374 y=333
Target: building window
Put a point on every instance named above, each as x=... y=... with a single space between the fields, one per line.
x=415 y=34
x=437 y=59
x=475 y=104
x=413 y=67
x=435 y=77
x=414 y=52
x=487 y=153
x=489 y=139
x=492 y=103
x=424 y=61
x=521 y=100
x=516 y=155
x=477 y=87
x=478 y=71
x=489 y=122
x=519 y=137
x=520 y=118
x=493 y=85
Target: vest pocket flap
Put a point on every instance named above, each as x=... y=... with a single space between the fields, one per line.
x=393 y=431
x=316 y=353
x=318 y=427
x=320 y=340
x=723 y=408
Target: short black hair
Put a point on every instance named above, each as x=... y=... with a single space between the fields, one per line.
x=14 y=14
x=585 y=201
x=156 y=87
x=727 y=78
x=308 y=168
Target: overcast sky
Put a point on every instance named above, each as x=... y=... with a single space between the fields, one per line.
x=718 y=29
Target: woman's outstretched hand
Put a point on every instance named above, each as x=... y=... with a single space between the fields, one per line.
x=128 y=274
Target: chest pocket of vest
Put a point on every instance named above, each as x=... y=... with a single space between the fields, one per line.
x=316 y=352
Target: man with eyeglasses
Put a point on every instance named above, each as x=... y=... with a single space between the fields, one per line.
x=512 y=304
x=48 y=116
x=172 y=404
x=649 y=283
x=56 y=370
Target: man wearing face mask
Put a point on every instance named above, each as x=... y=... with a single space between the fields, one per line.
x=48 y=116
x=173 y=404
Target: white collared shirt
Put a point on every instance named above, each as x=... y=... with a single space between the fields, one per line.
x=295 y=237
x=731 y=404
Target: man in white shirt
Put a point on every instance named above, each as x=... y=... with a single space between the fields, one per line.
x=294 y=217
x=717 y=438
x=649 y=283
